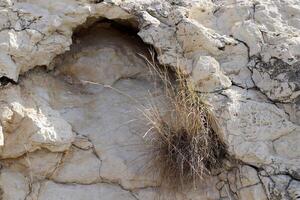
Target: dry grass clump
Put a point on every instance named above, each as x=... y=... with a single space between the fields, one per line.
x=185 y=139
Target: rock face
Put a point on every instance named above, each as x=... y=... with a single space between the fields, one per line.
x=207 y=76
x=72 y=128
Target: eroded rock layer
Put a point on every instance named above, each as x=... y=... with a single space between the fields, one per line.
x=72 y=128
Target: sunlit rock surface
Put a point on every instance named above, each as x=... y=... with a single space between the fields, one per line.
x=73 y=82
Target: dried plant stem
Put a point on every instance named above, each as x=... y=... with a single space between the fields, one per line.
x=185 y=140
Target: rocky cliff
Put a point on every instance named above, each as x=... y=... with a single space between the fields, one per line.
x=72 y=81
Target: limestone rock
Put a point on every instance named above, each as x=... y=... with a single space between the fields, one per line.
x=276 y=186
x=113 y=122
x=13 y=186
x=243 y=54
x=251 y=186
x=78 y=166
x=249 y=33
x=82 y=142
x=294 y=189
x=206 y=190
x=293 y=110
x=27 y=129
x=8 y=68
x=52 y=191
x=103 y=61
x=207 y=76
x=277 y=79
x=194 y=36
x=253 y=192
x=258 y=132
x=37 y=165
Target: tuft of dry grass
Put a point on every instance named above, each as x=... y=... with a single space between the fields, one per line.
x=185 y=140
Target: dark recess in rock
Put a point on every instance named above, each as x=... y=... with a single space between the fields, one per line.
x=4 y=81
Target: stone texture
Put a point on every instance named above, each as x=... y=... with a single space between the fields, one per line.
x=14 y=186
x=251 y=186
x=276 y=186
x=77 y=128
x=277 y=79
x=52 y=191
x=78 y=167
x=257 y=131
x=36 y=166
x=294 y=189
x=30 y=124
x=293 y=110
x=207 y=76
x=103 y=62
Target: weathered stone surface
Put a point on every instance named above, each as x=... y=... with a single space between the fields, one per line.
x=249 y=33
x=37 y=165
x=294 y=189
x=78 y=166
x=253 y=192
x=14 y=186
x=293 y=110
x=280 y=81
x=103 y=62
x=244 y=53
x=53 y=191
x=205 y=190
x=251 y=186
x=258 y=132
x=112 y=120
x=30 y=124
x=276 y=186
x=207 y=76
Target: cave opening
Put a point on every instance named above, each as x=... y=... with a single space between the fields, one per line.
x=91 y=103
x=104 y=51
x=98 y=87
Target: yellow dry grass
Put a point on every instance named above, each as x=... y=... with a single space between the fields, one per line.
x=185 y=140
